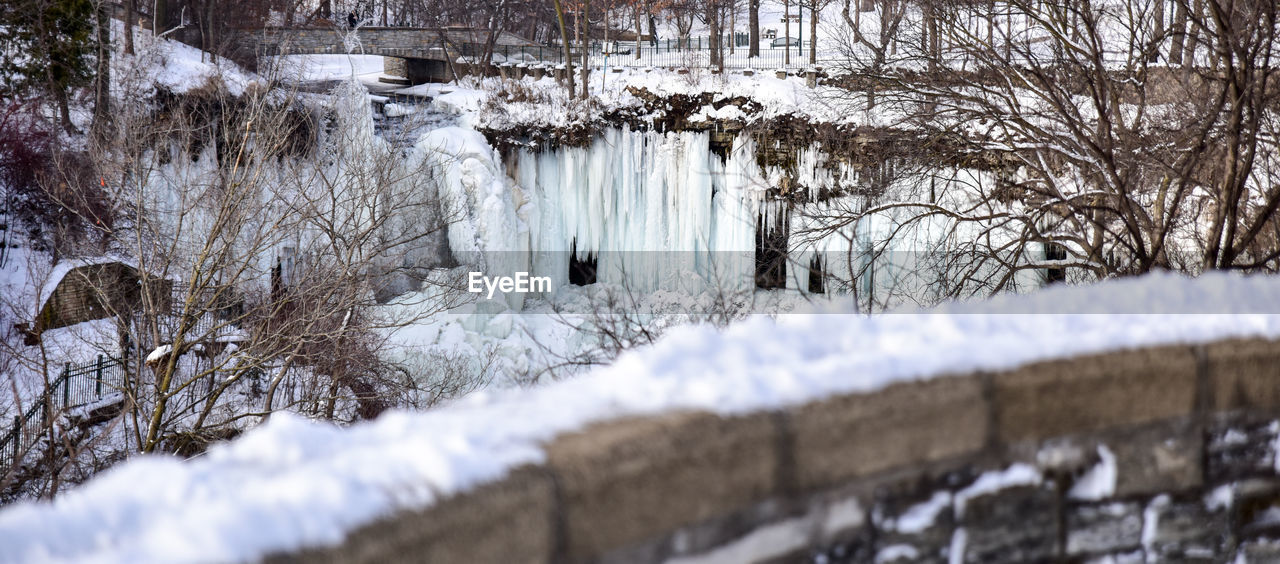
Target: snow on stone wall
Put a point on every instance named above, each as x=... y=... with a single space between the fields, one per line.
x=292 y=483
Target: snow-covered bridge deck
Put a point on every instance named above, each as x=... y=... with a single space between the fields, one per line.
x=392 y=41
x=424 y=52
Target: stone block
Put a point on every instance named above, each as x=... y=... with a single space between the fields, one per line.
x=507 y=521
x=1103 y=528
x=628 y=481
x=1162 y=458
x=906 y=424
x=1016 y=524
x=1092 y=393
x=1186 y=531
x=1258 y=551
x=394 y=66
x=926 y=526
x=1244 y=374
x=1238 y=450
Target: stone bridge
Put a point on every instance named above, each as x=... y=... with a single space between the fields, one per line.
x=1164 y=453
x=418 y=54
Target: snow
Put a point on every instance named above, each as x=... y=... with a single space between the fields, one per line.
x=1234 y=437
x=1275 y=445
x=159 y=353
x=1100 y=481
x=1222 y=497
x=172 y=65
x=921 y=516
x=842 y=516
x=292 y=483
x=1151 y=521
x=777 y=539
x=896 y=552
x=1135 y=557
x=1018 y=474
x=955 y=551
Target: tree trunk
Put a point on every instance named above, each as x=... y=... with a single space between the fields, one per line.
x=1179 y=33
x=786 y=32
x=1157 y=31
x=639 y=45
x=935 y=42
x=1193 y=33
x=991 y=24
x=857 y=19
x=130 y=14
x=564 y=43
x=585 y=24
x=159 y=17
x=713 y=31
x=753 y=34
x=102 y=74
x=211 y=30
x=733 y=30
x=813 y=32
x=653 y=25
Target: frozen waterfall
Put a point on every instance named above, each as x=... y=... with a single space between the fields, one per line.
x=663 y=212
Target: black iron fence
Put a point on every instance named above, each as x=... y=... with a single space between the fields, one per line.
x=77 y=385
x=694 y=52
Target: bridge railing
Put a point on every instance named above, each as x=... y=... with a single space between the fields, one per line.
x=693 y=53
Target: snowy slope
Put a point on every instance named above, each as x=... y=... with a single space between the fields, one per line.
x=162 y=62
x=292 y=483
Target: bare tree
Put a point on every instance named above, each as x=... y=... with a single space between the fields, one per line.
x=1086 y=155
x=753 y=17
x=264 y=235
x=871 y=56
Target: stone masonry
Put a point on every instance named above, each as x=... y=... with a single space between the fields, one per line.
x=1161 y=454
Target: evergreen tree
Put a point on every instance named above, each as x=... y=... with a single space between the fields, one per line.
x=47 y=47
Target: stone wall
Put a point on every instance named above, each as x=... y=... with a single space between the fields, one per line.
x=989 y=467
x=396 y=41
x=395 y=66
x=374 y=41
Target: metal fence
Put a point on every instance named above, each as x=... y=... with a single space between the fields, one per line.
x=76 y=385
x=692 y=53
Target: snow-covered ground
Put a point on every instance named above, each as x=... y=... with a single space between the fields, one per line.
x=171 y=65
x=293 y=483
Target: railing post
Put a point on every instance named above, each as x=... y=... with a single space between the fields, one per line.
x=98 y=384
x=17 y=437
x=66 y=379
